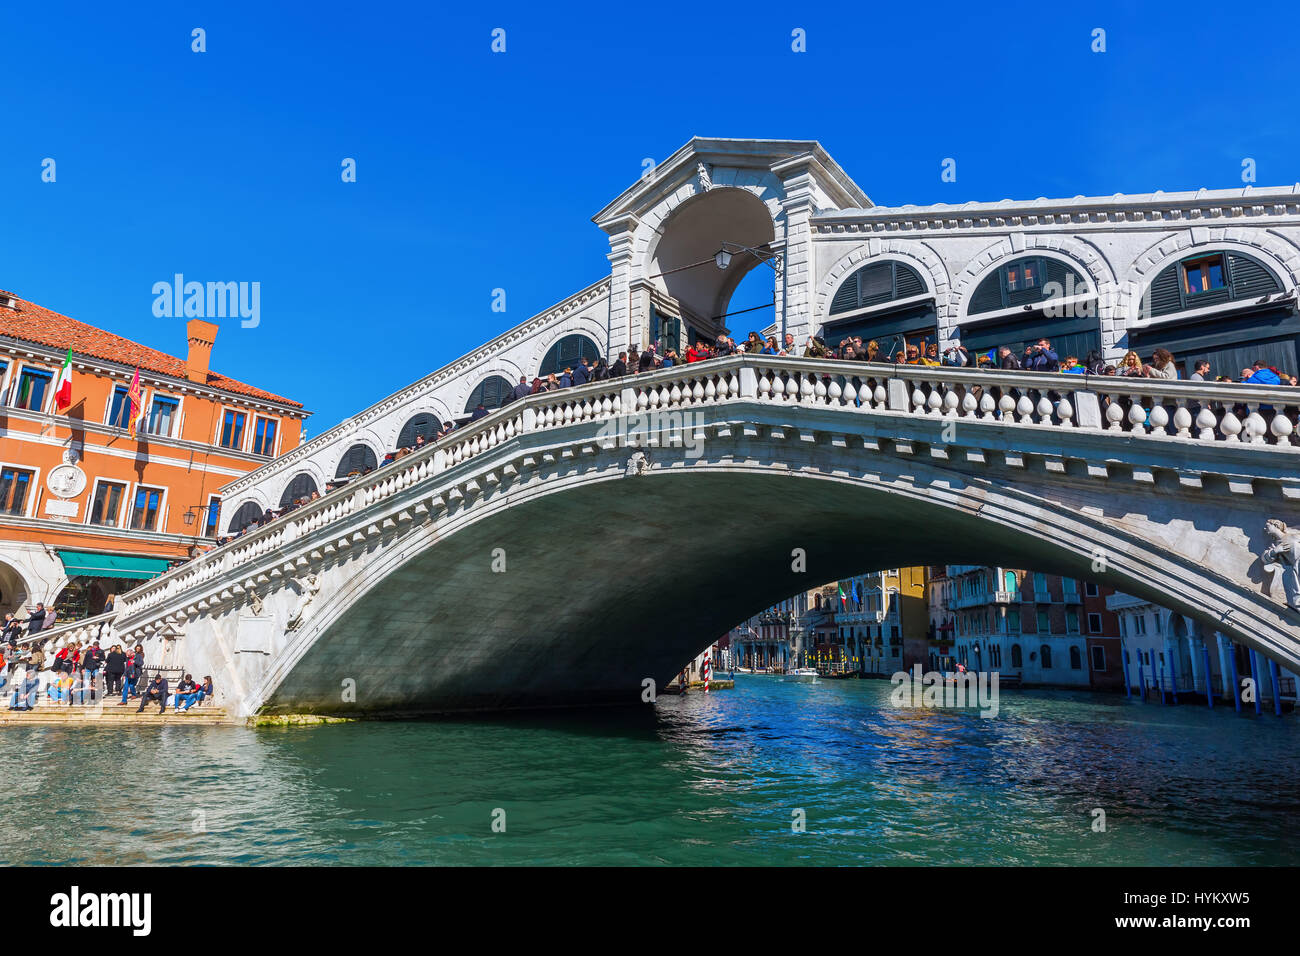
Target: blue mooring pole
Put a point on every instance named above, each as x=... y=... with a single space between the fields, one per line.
x=1123 y=659
x=1142 y=678
x=1273 y=679
x=1254 y=678
x=1236 y=678
x=1209 y=693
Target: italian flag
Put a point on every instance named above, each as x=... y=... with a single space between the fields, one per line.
x=843 y=602
x=63 y=387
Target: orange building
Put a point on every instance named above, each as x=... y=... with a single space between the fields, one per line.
x=87 y=510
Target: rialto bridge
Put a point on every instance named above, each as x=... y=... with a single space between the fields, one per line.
x=571 y=545
x=1210 y=275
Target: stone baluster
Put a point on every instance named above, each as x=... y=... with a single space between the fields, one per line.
x=1230 y=426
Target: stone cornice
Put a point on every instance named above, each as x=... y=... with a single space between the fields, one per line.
x=739 y=153
x=83 y=529
x=112 y=431
x=423 y=387
x=1083 y=212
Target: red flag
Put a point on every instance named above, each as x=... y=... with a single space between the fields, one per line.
x=136 y=395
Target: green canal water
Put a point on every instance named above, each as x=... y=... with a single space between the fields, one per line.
x=694 y=780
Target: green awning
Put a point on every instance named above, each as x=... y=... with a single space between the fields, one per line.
x=90 y=564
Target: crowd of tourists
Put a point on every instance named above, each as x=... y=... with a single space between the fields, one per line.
x=1037 y=356
x=72 y=672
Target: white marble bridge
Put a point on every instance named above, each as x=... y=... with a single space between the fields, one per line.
x=535 y=558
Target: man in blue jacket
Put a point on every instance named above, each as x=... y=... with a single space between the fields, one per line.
x=1041 y=358
x=1263 y=375
x=582 y=374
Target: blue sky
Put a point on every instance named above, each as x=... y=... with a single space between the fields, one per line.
x=478 y=170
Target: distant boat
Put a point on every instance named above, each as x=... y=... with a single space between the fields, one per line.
x=802 y=675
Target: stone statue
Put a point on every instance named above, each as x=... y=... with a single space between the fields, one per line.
x=1284 y=555
x=638 y=464
x=706 y=182
x=307 y=589
x=255 y=602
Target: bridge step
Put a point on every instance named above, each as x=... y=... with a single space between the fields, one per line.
x=55 y=714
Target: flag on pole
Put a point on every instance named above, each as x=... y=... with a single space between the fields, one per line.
x=843 y=600
x=853 y=590
x=63 y=387
x=135 y=394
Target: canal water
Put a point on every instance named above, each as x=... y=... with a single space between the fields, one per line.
x=715 y=779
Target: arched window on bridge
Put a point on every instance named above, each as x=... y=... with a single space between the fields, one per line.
x=249 y=513
x=1236 y=332
x=882 y=301
x=1029 y=285
x=489 y=393
x=568 y=353
x=356 y=460
x=302 y=486
x=1076 y=660
x=1017 y=659
x=1045 y=656
x=424 y=424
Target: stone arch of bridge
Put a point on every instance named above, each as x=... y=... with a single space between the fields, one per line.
x=553 y=621
x=679 y=258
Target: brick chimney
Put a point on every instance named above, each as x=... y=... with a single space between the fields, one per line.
x=201 y=335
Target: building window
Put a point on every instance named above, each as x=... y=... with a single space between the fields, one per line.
x=1076 y=659
x=302 y=486
x=32 y=386
x=1090 y=589
x=1094 y=623
x=569 y=353
x=14 y=485
x=490 y=393
x=1016 y=657
x=1098 y=657
x=148 y=502
x=1140 y=624
x=1044 y=625
x=1040 y=582
x=249 y=513
x=214 y=516
x=423 y=426
x=1026 y=274
x=106 y=509
x=357 y=460
x=232 y=429
x=1045 y=655
x=264 y=437
x=1203 y=275
x=119 y=407
x=162 y=415
x=1072 y=621
x=1159 y=623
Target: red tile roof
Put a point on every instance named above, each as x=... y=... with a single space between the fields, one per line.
x=34 y=323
